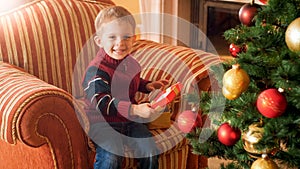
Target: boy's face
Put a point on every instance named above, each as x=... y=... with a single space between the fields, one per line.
x=116 y=38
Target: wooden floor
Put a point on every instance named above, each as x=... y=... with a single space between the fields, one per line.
x=214 y=163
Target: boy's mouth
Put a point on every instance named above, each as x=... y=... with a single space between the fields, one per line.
x=119 y=51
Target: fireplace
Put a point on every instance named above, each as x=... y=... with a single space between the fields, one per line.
x=213 y=18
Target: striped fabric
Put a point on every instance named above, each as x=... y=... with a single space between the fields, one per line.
x=45 y=38
x=173 y=146
x=178 y=64
x=174 y=160
x=52 y=39
x=18 y=90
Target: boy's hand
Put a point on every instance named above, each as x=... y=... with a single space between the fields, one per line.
x=143 y=110
x=160 y=84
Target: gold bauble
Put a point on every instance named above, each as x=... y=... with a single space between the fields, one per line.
x=235 y=82
x=252 y=137
x=264 y=163
x=292 y=35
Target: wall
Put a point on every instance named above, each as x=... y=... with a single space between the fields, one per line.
x=166 y=31
x=132 y=6
x=10 y=4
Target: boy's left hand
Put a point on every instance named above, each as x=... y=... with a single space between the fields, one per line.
x=160 y=84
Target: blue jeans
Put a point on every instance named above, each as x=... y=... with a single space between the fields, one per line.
x=111 y=138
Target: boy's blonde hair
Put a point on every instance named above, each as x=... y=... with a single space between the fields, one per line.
x=113 y=12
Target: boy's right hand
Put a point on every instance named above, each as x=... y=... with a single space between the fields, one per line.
x=143 y=110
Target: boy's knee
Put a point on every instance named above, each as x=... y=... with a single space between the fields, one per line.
x=106 y=159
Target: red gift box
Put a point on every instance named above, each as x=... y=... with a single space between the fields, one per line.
x=166 y=96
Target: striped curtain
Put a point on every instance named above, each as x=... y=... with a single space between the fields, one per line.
x=151 y=20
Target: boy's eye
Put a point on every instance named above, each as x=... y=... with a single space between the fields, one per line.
x=126 y=37
x=112 y=37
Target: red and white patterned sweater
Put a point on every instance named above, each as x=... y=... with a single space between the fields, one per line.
x=110 y=86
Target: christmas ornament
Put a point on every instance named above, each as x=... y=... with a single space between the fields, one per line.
x=234 y=50
x=235 y=82
x=263 y=1
x=188 y=120
x=228 y=135
x=292 y=35
x=247 y=13
x=264 y=163
x=271 y=103
x=252 y=137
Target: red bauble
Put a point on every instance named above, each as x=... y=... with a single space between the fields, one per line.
x=234 y=50
x=271 y=103
x=247 y=13
x=188 y=120
x=228 y=135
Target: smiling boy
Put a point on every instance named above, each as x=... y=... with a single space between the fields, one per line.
x=110 y=83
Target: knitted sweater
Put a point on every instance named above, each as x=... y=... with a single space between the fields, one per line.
x=110 y=86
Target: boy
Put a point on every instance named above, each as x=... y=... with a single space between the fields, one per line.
x=110 y=83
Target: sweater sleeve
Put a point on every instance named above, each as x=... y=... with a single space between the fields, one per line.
x=98 y=92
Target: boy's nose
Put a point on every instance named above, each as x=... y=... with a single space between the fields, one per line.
x=119 y=41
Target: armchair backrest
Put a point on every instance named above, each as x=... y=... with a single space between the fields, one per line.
x=177 y=64
x=45 y=37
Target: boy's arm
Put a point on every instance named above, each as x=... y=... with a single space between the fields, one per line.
x=143 y=85
x=98 y=92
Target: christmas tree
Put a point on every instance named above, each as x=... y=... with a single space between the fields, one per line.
x=260 y=124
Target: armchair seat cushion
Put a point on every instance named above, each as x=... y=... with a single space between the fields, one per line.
x=162 y=121
x=169 y=141
x=173 y=145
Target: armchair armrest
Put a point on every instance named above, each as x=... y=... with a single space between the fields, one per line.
x=35 y=113
x=176 y=64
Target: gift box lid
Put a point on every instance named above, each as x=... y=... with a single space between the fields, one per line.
x=167 y=96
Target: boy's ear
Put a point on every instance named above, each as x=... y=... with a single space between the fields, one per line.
x=97 y=40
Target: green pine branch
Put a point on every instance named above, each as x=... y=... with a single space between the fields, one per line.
x=270 y=64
